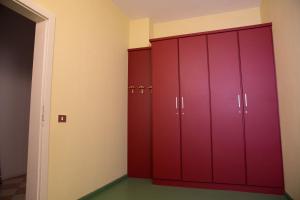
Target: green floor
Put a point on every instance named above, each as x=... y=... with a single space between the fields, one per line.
x=141 y=189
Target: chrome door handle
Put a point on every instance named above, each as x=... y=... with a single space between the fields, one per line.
x=239 y=100
x=182 y=106
x=176 y=105
x=246 y=104
x=246 y=100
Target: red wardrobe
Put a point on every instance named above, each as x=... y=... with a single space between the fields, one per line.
x=215 y=111
x=139 y=113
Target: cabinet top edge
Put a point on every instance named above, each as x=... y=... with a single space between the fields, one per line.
x=212 y=32
x=138 y=49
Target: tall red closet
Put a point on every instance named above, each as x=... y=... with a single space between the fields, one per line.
x=195 y=109
x=166 y=109
x=262 y=131
x=226 y=106
x=139 y=113
x=215 y=111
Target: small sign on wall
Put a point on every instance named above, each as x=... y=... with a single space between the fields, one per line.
x=62 y=118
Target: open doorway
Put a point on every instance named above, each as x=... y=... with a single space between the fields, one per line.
x=37 y=159
x=16 y=61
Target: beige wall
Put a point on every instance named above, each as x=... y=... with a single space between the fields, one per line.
x=139 y=33
x=207 y=23
x=285 y=16
x=90 y=86
x=141 y=30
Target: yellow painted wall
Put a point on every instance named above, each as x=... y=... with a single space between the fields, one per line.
x=285 y=16
x=207 y=23
x=139 y=33
x=90 y=86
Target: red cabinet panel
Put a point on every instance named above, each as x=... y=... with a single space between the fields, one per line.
x=263 y=146
x=166 y=121
x=139 y=114
x=227 y=121
x=195 y=117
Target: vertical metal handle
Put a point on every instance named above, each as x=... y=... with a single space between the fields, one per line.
x=239 y=100
x=246 y=104
x=182 y=106
x=246 y=100
x=176 y=103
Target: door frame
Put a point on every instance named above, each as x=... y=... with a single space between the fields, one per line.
x=39 y=125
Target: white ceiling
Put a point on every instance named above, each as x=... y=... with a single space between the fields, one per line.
x=165 y=10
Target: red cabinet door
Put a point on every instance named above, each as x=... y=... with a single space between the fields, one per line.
x=263 y=146
x=226 y=110
x=195 y=112
x=139 y=114
x=165 y=102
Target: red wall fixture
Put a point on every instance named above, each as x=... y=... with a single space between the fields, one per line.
x=139 y=113
x=195 y=110
x=166 y=118
x=263 y=146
